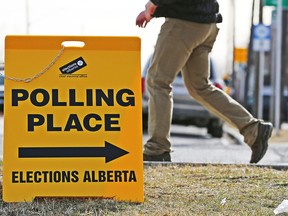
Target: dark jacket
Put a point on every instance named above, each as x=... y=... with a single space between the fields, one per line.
x=200 y=11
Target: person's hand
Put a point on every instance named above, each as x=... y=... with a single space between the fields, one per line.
x=141 y=20
x=145 y=16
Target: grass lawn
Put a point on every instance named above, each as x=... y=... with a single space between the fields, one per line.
x=179 y=190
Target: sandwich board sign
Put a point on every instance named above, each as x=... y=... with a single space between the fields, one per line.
x=72 y=120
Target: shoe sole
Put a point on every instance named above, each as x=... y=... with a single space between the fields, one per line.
x=165 y=157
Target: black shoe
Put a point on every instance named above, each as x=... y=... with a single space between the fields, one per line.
x=162 y=157
x=260 y=146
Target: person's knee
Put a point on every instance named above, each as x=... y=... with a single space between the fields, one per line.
x=201 y=88
x=158 y=82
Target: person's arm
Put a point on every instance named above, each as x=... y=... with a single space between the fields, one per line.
x=145 y=16
x=150 y=8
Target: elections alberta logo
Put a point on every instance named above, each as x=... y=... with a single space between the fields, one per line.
x=69 y=69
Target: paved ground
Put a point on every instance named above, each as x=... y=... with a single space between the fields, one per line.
x=201 y=148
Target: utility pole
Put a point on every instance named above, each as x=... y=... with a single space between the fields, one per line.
x=256 y=106
x=232 y=46
x=278 y=68
x=250 y=55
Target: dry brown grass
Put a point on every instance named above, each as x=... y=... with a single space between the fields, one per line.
x=179 y=190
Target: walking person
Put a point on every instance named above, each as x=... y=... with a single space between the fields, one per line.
x=184 y=43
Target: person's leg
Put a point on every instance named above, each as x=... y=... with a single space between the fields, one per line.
x=196 y=74
x=171 y=54
x=196 y=78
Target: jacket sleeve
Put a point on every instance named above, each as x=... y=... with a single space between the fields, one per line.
x=163 y=2
x=170 y=2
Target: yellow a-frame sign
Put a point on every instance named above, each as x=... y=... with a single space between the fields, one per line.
x=72 y=121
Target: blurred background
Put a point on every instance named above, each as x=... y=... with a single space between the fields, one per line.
x=252 y=60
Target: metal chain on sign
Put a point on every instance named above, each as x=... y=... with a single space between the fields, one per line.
x=29 y=79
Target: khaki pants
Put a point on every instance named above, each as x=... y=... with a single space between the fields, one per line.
x=184 y=45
